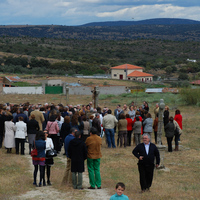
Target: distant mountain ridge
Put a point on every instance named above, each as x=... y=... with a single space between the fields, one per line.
x=156 y=21
x=164 y=29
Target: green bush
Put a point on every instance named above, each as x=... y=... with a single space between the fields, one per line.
x=190 y=96
x=115 y=101
x=105 y=96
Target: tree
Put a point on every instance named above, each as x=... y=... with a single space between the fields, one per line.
x=168 y=70
x=1 y=61
x=39 y=63
x=16 y=61
x=183 y=76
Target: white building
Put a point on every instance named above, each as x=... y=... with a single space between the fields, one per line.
x=130 y=72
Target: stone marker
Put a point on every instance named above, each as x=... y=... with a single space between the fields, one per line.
x=96 y=96
x=67 y=95
x=161 y=147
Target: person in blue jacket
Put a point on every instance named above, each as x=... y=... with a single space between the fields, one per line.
x=39 y=160
x=67 y=179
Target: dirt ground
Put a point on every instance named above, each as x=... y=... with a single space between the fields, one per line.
x=50 y=193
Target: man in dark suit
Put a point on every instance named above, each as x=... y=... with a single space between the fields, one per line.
x=146 y=153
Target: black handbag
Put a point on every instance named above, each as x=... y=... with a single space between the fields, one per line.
x=176 y=131
x=51 y=153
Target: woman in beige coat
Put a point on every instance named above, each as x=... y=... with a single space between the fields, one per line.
x=122 y=130
x=86 y=128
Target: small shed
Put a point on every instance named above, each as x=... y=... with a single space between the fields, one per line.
x=54 y=86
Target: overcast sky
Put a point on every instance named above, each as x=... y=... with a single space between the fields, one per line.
x=78 y=12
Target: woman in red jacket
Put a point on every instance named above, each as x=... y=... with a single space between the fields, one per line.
x=129 y=129
x=178 y=119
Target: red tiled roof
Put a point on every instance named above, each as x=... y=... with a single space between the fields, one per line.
x=13 y=78
x=197 y=82
x=139 y=74
x=127 y=66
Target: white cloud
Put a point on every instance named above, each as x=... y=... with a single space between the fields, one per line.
x=152 y=11
x=62 y=4
x=74 y=12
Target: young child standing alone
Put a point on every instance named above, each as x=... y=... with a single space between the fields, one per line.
x=120 y=187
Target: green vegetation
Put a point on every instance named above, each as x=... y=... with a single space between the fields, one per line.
x=186 y=97
x=24 y=84
x=163 y=58
x=191 y=97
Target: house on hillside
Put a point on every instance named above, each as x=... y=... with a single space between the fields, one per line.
x=130 y=72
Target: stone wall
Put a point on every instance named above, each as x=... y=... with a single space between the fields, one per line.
x=22 y=90
x=72 y=90
x=103 y=90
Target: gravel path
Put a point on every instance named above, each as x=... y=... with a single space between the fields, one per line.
x=50 y=193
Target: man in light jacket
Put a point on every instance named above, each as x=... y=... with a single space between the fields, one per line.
x=109 y=122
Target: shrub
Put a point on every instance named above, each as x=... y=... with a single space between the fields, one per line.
x=190 y=96
x=105 y=83
x=105 y=96
x=115 y=101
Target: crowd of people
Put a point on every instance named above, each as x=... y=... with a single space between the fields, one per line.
x=54 y=126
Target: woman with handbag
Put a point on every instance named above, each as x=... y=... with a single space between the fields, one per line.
x=49 y=160
x=177 y=133
x=39 y=159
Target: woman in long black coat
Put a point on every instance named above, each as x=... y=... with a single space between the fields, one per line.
x=166 y=116
x=169 y=133
x=32 y=128
x=77 y=151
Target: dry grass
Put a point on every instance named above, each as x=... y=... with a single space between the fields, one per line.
x=55 y=98
x=182 y=182
x=90 y=81
x=15 y=178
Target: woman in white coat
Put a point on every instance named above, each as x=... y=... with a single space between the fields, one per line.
x=20 y=135
x=48 y=161
x=9 y=141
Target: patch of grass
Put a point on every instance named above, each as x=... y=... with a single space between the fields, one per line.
x=15 y=177
x=105 y=83
x=54 y=98
x=115 y=101
x=190 y=96
x=105 y=96
x=25 y=84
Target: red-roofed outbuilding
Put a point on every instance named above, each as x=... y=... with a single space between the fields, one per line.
x=130 y=72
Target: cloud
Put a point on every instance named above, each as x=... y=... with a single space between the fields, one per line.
x=76 y=12
x=152 y=11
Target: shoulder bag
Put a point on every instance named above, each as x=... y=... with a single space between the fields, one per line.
x=34 y=151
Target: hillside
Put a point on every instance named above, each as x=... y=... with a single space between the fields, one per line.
x=157 y=21
x=162 y=29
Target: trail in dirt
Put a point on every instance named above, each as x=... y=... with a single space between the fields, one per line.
x=50 y=193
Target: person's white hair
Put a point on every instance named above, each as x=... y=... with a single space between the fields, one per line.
x=146 y=134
